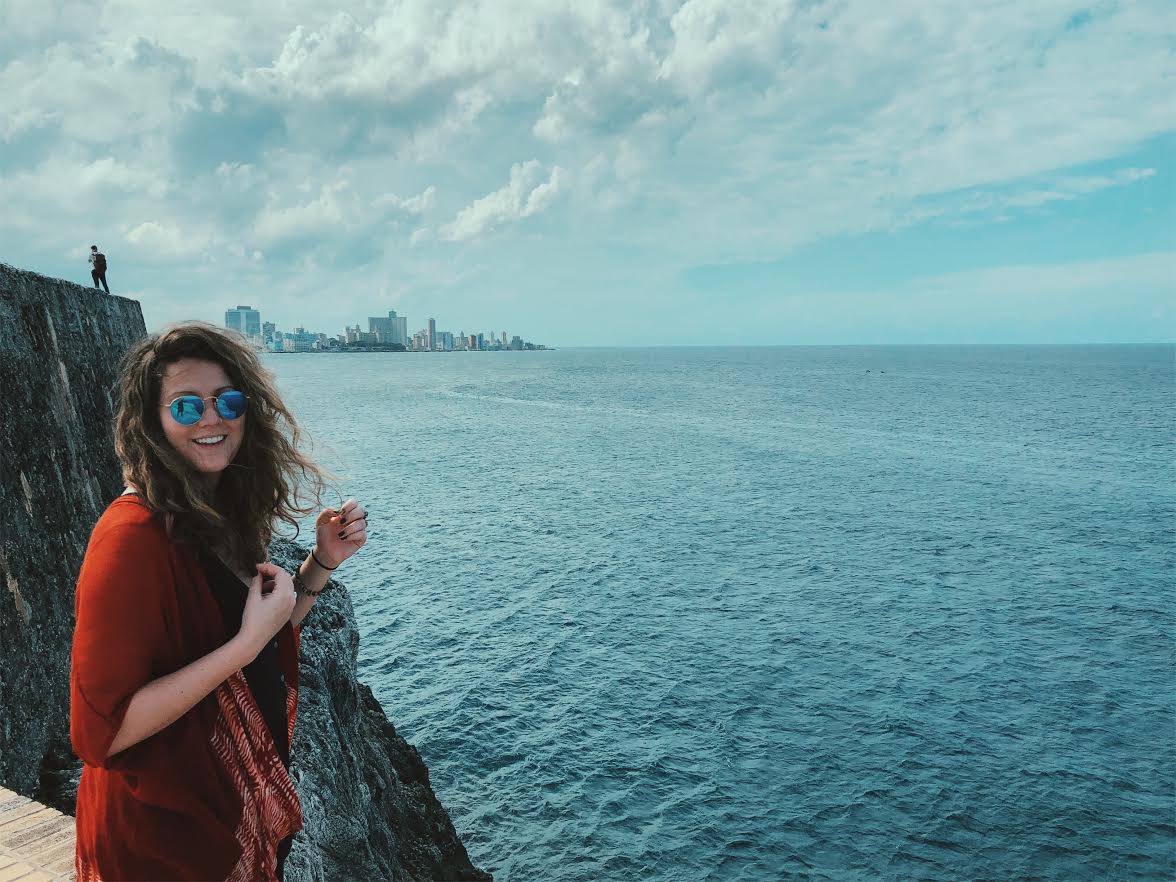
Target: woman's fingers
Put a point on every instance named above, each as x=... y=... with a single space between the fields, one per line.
x=348 y=524
x=355 y=525
x=352 y=519
x=272 y=575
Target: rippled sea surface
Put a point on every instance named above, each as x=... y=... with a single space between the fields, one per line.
x=760 y=614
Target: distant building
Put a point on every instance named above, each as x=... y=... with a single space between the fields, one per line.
x=432 y=334
x=268 y=329
x=473 y=341
x=516 y=342
x=504 y=339
x=379 y=326
x=244 y=320
x=300 y=341
x=445 y=340
x=391 y=330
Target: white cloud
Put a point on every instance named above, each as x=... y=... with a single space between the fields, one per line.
x=526 y=194
x=66 y=190
x=417 y=204
x=726 y=43
x=1070 y=188
x=325 y=212
x=155 y=241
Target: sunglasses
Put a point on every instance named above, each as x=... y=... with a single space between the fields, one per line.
x=188 y=409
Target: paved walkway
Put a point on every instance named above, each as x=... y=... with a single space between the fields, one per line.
x=36 y=842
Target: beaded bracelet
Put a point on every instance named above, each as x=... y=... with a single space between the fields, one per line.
x=301 y=588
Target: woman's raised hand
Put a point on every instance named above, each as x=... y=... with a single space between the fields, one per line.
x=339 y=533
x=266 y=613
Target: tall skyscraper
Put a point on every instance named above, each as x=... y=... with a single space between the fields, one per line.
x=504 y=338
x=432 y=334
x=392 y=330
x=399 y=327
x=245 y=320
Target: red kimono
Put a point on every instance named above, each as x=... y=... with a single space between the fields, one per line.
x=207 y=797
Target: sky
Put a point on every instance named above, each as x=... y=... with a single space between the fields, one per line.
x=708 y=172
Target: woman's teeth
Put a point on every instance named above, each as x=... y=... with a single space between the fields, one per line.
x=209 y=441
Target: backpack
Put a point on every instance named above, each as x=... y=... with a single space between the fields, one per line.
x=100 y=262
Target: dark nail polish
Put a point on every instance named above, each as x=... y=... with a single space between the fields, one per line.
x=340 y=534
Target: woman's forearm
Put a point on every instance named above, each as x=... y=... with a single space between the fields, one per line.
x=164 y=700
x=314 y=578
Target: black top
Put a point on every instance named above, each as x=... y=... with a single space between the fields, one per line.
x=264 y=673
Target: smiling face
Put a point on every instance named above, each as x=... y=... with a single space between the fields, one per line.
x=205 y=379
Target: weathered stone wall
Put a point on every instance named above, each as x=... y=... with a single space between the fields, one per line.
x=368 y=808
x=59 y=349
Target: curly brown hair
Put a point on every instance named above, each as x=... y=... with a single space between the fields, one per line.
x=268 y=480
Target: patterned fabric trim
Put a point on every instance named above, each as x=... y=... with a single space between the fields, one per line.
x=270 y=810
x=84 y=871
x=291 y=713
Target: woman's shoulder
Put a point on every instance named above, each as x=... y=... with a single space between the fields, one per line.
x=128 y=515
x=128 y=545
x=128 y=508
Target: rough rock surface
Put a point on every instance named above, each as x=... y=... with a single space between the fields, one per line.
x=59 y=349
x=369 y=811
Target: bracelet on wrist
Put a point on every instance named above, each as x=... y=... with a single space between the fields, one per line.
x=321 y=564
x=301 y=587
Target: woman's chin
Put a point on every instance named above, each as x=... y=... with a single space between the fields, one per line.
x=209 y=468
x=213 y=461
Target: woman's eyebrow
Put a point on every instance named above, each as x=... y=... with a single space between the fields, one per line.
x=192 y=392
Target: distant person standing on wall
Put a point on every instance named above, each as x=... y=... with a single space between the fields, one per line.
x=98 y=267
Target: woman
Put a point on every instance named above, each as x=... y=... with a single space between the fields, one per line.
x=184 y=682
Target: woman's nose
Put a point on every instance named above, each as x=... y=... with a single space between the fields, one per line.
x=211 y=415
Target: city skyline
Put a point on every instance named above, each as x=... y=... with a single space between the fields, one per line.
x=384 y=331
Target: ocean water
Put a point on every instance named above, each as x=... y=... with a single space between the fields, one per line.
x=772 y=613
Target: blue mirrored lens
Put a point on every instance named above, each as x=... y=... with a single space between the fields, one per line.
x=230 y=405
x=187 y=410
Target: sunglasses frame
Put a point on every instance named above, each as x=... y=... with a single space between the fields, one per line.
x=217 y=398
